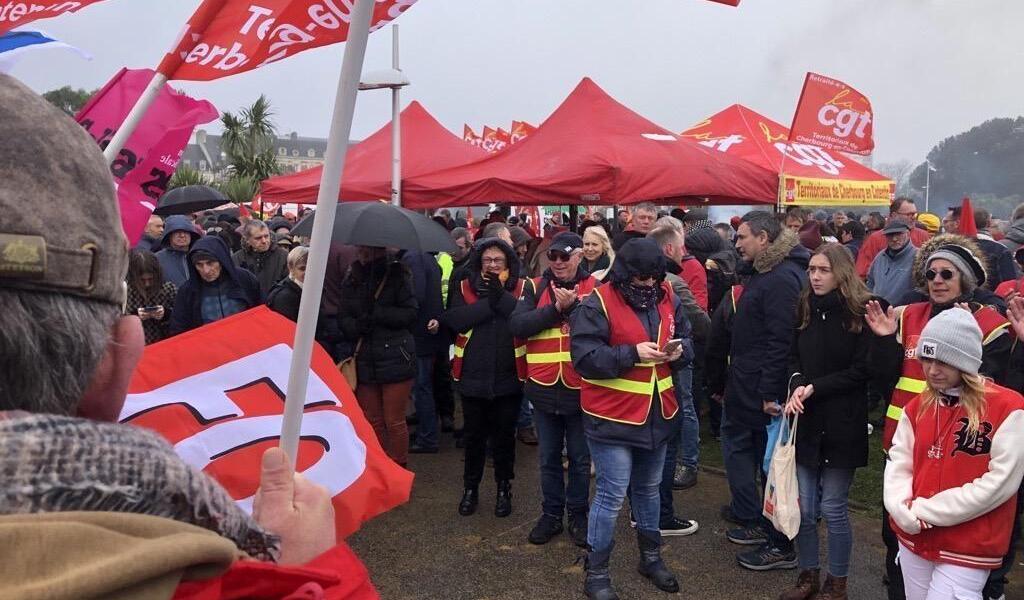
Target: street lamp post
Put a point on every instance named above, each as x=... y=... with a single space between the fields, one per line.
x=394 y=80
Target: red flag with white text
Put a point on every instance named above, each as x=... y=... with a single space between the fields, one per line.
x=143 y=168
x=470 y=136
x=520 y=131
x=504 y=139
x=834 y=116
x=225 y=37
x=17 y=13
x=217 y=394
x=489 y=139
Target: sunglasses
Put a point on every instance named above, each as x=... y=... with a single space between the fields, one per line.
x=946 y=274
x=558 y=255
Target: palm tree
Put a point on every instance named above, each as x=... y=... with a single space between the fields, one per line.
x=239 y=189
x=248 y=141
x=186 y=176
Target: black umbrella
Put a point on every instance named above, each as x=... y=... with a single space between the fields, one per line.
x=188 y=199
x=383 y=225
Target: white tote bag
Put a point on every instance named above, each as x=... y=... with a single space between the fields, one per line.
x=782 y=493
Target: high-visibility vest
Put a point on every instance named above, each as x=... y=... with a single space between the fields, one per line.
x=912 y=382
x=628 y=397
x=462 y=339
x=444 y=260
x=547 y=352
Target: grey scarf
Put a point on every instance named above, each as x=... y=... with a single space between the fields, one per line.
x=51 y=463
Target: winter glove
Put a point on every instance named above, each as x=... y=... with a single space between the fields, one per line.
x=495 y=291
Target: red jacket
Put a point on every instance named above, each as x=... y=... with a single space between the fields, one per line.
x=875 y=243
x=951 y=496
x=337 y=574
x=696 y=277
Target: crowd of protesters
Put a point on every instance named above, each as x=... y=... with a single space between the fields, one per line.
x=602 y=342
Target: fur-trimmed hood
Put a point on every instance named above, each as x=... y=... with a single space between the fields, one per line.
x=787 y=245
x=933 y=244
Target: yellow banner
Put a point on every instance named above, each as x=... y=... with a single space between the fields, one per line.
x=799 y=191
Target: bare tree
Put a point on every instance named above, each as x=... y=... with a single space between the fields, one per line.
x=899 y=171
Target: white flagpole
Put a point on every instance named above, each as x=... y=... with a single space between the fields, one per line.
x=396 y=127
x=323 y=224
x=134 y=116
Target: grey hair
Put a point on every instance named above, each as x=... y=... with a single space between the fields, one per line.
x=251 y=225
x=644 y=206
x=298 y=255
x=1018 y=213
x=761 y=220
x=459 y=233
x=50 y=346
x=666 y=234
x=492 y=230
x=670 y=221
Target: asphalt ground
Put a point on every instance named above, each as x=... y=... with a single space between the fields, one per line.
x=425 y=550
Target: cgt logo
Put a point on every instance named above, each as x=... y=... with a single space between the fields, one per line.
x=222 y=420
x=844 y=121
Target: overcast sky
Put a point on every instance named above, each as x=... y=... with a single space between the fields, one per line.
x=931 y=68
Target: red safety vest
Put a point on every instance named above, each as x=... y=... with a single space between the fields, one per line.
x=547 y=352
x=628 y=397
x=912 y=320
x=462 y=339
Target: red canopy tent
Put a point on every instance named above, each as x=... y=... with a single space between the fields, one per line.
x=426 y=146
x=812 y=175
x=594 y=150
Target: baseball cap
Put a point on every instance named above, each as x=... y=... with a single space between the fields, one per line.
x=566 y=241
x=896 y=226
x=60 y=227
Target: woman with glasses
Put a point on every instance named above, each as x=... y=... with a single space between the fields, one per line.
x=149 y=295
x=488 y=366
x=949 y=269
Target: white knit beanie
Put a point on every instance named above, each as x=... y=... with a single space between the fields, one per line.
x=952 y=337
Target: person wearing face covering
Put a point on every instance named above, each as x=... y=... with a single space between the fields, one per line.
x=620 y=346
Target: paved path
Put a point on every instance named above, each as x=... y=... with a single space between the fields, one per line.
x=425 y=550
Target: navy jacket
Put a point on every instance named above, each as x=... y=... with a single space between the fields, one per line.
x=174 y=263
x=426 y=287
x=762 y=331
x=241 y=285
x=594 y=358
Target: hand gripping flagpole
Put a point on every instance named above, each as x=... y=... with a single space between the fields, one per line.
x=323 y=224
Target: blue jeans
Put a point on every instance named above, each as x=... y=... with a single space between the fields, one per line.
x=743 y=449
x=825 y=491
x=423 y=400
x=525 y=418
x=617 y=466
x=554 y=431
x=689 y=441
x=667 y=508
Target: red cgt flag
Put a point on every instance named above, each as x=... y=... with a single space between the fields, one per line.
x=216 y=393
x=16 y=13
x=470 y=136
x=225 y=37
x=833 y=116
x=521 y=130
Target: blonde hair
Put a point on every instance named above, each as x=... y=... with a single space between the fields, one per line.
x=972 y=398
x=297 y=256
x=602 y=236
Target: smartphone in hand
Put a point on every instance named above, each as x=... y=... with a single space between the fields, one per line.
x=672 y=345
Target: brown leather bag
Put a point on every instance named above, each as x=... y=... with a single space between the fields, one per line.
x=347 y=367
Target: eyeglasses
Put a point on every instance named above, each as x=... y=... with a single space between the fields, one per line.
x=946 y=274
x=492 y=261
x=558 y=255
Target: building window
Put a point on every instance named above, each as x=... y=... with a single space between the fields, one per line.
x=311 y=153
x=188 y=163
x=282 y=152
x=202 y=165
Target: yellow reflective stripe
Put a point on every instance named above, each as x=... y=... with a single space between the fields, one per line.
x=520 y=351
x=624 y=385
x=665 y=383
x=534 y=358
x=894 y=412
x=909 y=384
x=459 y=352
x=547 y=334
x=995 y=333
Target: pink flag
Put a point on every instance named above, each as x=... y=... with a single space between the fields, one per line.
x=144 y=166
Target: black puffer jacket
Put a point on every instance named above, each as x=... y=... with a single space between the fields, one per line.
x=388 y=353
x=488 y=362
x=833 y=428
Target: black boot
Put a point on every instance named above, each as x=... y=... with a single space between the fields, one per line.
x=470 y=498
x=503 y=504
x=597 y=584
x=651 y=566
